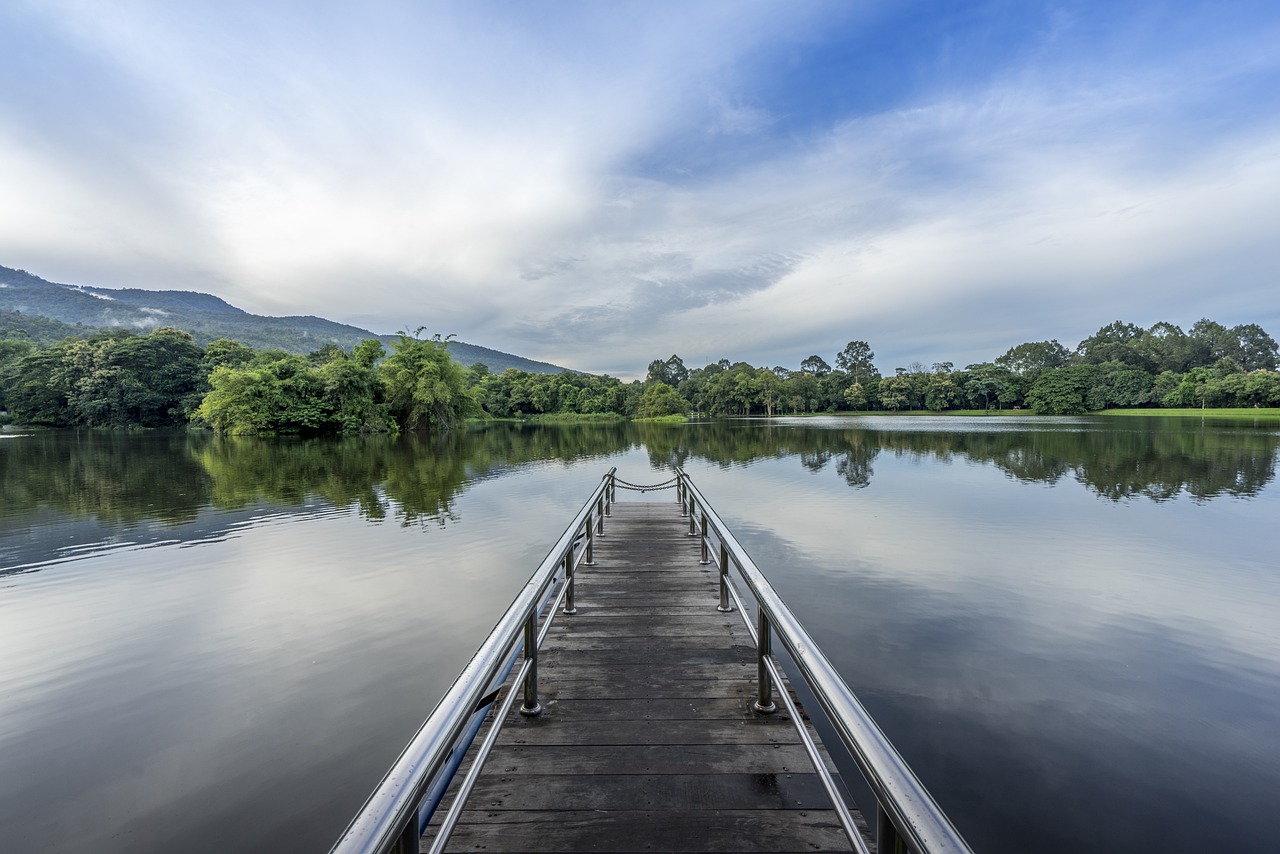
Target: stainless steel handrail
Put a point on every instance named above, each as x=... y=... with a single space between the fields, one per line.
x=907 y=813
x=389 y=820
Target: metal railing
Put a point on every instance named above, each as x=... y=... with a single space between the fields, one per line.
x=907 y=817
x=395 y=815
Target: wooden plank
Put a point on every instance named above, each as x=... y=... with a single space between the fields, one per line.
x=655 y=792
x=588 y=703
x=621 y=831
x=648 y=740
x=649 y=731
x=647 y=759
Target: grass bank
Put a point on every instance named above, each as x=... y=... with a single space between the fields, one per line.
x=1231 y=413
x=664 y=419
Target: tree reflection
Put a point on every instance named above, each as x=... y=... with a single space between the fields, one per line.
x=1158 y=461
x=125 y=479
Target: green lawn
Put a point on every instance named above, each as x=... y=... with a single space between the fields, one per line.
x=1236 y=413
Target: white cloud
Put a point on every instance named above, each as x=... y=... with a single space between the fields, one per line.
x=481 y=173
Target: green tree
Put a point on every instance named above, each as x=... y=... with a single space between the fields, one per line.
x=1033 y=358
x=425 y=388
x=985 y=382
x=895 y=392
x=815 y=365
x=1115 y=342
x=672 y=371
x=1255 y=349
x=1165 y=347
x=287 y=395
x=855 y=395
x=1064 y=391
x=370 y=351
x=940 y=392
x=223 y=352
x=769 y=385
x=661 y=399
x=856 y=360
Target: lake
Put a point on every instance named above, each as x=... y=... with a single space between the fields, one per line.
x=1069 y=627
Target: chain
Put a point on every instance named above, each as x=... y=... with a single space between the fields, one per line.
x=639 y=487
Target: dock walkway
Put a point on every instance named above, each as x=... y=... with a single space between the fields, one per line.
x=647 y=740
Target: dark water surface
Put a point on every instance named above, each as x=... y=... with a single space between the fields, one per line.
x=1069 y=627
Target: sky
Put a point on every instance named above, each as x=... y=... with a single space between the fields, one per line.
x=599 y=184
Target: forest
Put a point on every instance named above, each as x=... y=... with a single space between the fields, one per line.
x=165 y=379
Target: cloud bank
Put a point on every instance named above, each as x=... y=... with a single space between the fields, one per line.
x=598 y=185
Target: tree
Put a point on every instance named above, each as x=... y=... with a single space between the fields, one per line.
x=326 y=354
x=352 y=397
x=369 y=351
x=895 y=391
x=985 y=383
x=769 y=385
x=1255 y=349
x=816 y=366
x=1065 y=391
x=1165 y=347
x=801 y=391
x=855 y=360
x=672 y=371
x=36 y=389
x=1035 y=357
x=855 y=396
x=660 y=399
x=225 y=352
x=940 y=392
x=1115 y=342
x=425 y=388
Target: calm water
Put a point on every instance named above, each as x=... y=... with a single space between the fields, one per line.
x=1070 y=628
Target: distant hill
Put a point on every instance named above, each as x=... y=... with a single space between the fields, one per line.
x=49 y=311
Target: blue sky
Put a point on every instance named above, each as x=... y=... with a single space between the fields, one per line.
x=600 y=184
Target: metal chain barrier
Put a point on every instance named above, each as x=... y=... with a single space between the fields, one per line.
x=652 y=487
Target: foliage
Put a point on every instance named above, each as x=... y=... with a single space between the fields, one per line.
x=660 y=399
x=856 y=361
x=425 y=389
x=119 y=379
x=110 y=380
x=1033 y=358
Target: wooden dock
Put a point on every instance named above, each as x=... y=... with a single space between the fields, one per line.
x=647 y=740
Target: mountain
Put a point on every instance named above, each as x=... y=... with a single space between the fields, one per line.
x=48 y=311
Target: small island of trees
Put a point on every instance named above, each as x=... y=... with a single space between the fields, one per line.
x=164 y=379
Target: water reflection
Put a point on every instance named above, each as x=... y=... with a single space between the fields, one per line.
x=1065 y=673
x=122 y=479
x=1156 y=459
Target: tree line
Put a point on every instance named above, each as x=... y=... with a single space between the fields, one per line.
x=1121 y=366
x=165 y=379
x=122 y=379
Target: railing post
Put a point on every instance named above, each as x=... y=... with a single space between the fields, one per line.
x=600 y=514
x=410 y=839
x=681 y=493
x=724 y=580
x=764 y=648
x=693 y=518
x=607 y=497
x=706 y=557
x=887 y=838
x=570 y=576
x=532 y=707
